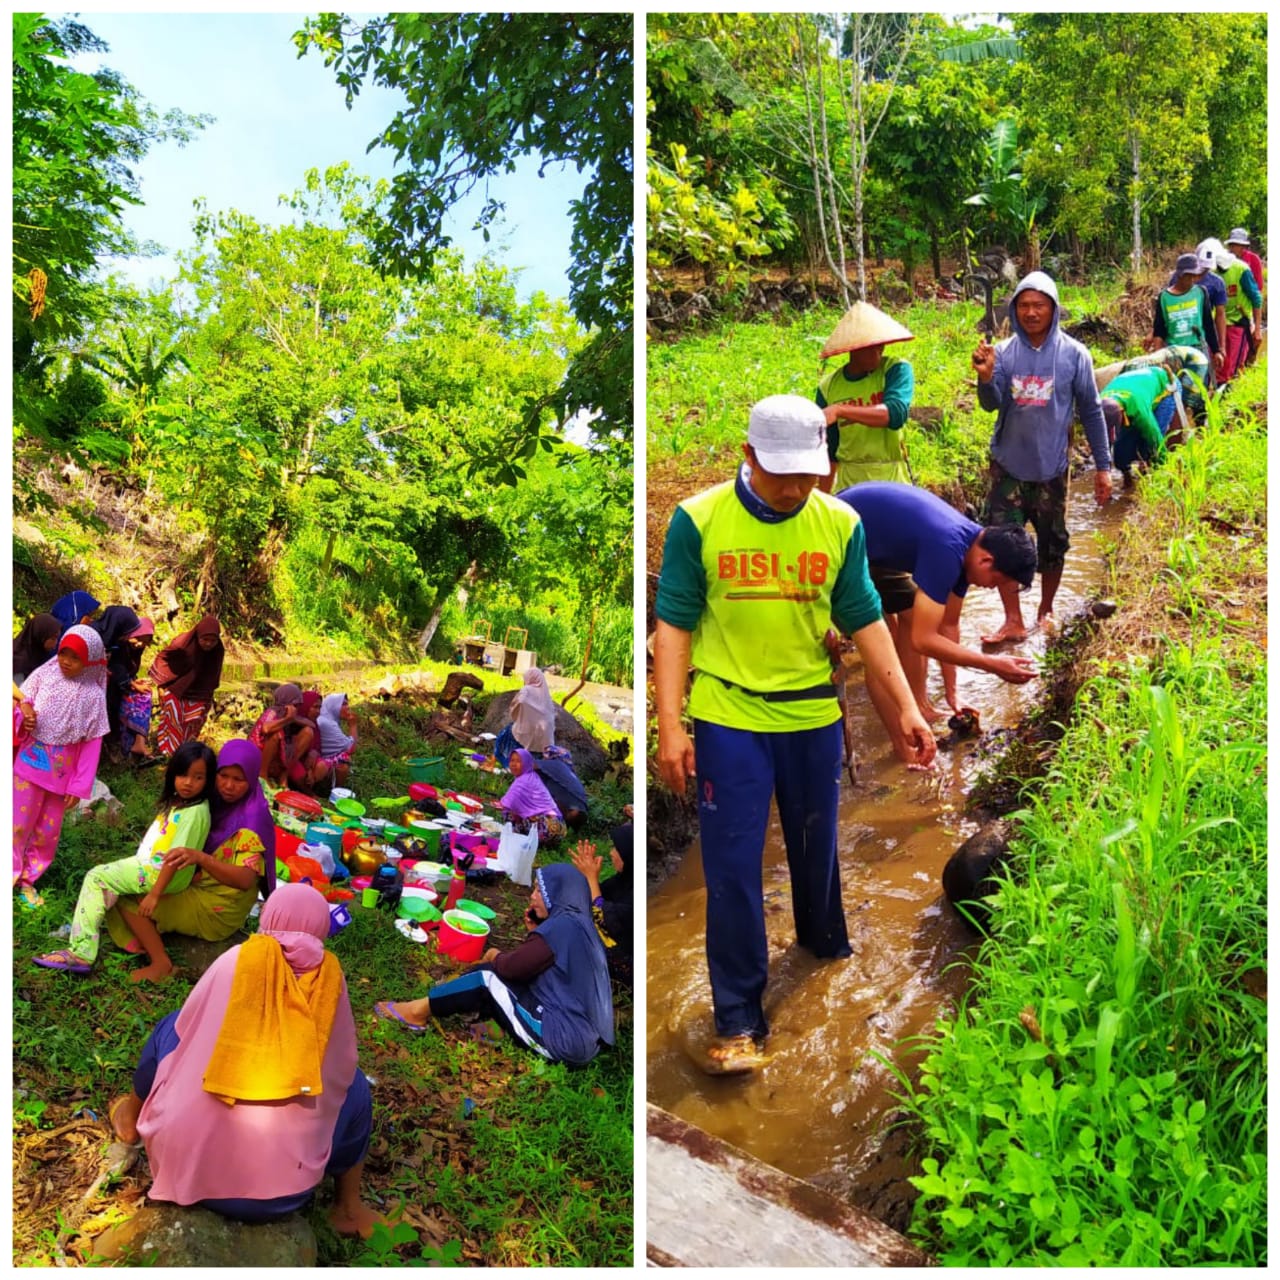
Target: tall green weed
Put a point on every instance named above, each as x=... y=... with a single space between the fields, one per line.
x=1100 y=1100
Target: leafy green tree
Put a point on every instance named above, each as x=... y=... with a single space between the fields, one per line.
x=75 y=138
x=930 y=156
x=1120 y=107
x=483 y=89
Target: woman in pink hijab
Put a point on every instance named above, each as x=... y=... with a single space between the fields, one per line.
x=252 y=1150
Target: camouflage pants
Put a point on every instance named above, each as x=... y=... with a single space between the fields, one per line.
x=1041 y=503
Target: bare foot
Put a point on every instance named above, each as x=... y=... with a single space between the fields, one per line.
x=355 y=1219
x=157 y=972
x=123 y=1114
x=414 y=1012
x=1047 y=623
x=1010 y=631
x=931 y=713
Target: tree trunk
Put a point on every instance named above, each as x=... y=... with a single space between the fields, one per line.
x=1033 y=249
x=840 y=271
x=427 y=634
x=1135 y=151
x=935 y=252
x=586 y=658
x=328 y=551
x=857 y=149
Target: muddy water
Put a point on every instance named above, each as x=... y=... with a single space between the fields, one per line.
x=818 y=1108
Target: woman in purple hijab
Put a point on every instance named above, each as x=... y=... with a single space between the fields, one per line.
x=240 y=852
x=528 y=803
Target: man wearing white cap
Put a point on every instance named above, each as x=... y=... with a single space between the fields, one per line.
x=866 y=400
x=754 y=573
x=1244 y=304
x=1238 y=243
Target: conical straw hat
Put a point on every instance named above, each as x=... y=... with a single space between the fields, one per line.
x=864 y=326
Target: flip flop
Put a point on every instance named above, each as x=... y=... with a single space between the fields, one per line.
x=387 y=1011
x=742 y=1055
x=67 y=961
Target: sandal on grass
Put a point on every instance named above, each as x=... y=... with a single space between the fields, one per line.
x=732 y=1056
x=387 y=1011
x=67 y=961
x=29 y=898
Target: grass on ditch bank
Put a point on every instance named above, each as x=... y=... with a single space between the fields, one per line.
x=486 y=1154
x=1100 y=1097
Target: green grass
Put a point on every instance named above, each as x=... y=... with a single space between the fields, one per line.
x=536 y=1171
x=702 y=386
x=1100 y=1097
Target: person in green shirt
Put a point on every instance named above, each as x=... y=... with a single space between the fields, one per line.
x=866 y=400
x=1139 y=406
x=755 y=573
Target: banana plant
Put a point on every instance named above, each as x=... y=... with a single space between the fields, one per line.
x=1007 y=192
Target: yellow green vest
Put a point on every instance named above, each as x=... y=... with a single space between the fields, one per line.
x=865 y=453
x=1238 y=305
x=768 y=607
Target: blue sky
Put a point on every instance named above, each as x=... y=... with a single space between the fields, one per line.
x=278 y=116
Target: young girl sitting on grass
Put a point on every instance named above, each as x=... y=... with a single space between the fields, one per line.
x=182 y=822
x=64 y=719
x=336 y=744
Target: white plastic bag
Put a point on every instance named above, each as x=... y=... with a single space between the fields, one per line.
x=516 y=853
x=321 y=853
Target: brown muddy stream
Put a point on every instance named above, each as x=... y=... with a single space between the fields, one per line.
x=817 y=1110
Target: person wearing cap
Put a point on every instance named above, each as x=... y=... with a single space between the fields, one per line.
x=1139 y=408
x=1184 y=313
x=913 y=534
x=1244 y=305
x=755 y=571
x=1238 y=243
x=1039 y=381
x=866 y=400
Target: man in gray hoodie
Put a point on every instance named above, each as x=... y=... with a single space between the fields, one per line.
x=1039 y=380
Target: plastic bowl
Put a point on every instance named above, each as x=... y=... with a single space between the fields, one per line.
x=349 y=808
x=476 y=908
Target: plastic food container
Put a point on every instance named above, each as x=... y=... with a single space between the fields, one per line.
x=298 y=805
x=476 y=908
x=422 y=791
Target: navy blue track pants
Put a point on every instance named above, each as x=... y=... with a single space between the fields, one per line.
x=738 y=773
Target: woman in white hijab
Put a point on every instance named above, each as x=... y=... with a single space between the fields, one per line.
x=533 y=719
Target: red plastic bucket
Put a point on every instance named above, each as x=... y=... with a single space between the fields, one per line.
x=462 y=936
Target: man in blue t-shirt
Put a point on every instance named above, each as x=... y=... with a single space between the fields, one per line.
x=924 y=556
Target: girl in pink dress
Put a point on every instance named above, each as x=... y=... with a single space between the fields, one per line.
x=64 y=710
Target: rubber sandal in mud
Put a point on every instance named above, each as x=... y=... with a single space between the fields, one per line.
x=387 y=1011
x=734 y=1056
x=28 y=898
x=67 y=961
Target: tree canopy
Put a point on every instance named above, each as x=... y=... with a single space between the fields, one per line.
x=482 y=89
x=1091 y=133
